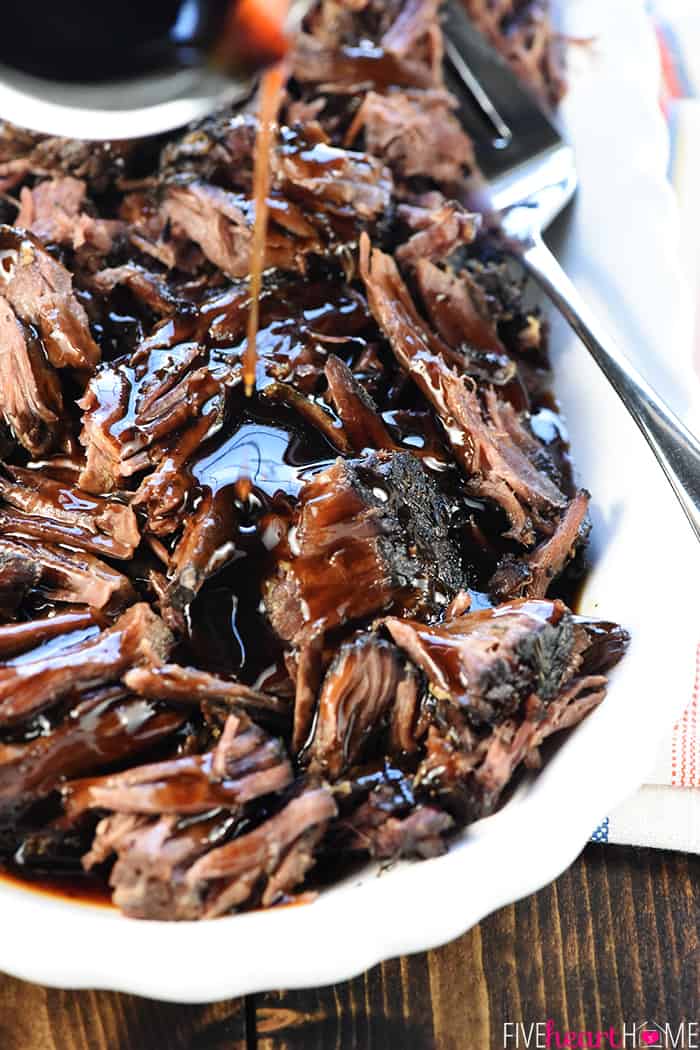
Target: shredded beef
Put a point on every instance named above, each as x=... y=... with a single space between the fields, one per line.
x=40 y=291
x=387 y=836
x=415 y=133
x=44 y=508
x=55 y=211
x=67 y=575
x=39 y=680
x=532 y=576
x=19 y=573
x=25 y=153
x=495 y=450
x=359 y=691
x=187 y=685
x=369 y=533
x=244 y=764
x=242 y=633
x=487 y=662
x=102 y=728
x=30 y=393
x=168 y=869
x=16 y=638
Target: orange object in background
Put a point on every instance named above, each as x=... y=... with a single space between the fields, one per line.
x=254 y=34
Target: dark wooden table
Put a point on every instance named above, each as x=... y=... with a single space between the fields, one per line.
x=614 y=939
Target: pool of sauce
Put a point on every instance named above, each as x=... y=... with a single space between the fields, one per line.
x=73 y=888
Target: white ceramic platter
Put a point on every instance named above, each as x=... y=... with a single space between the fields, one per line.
x=621 y=248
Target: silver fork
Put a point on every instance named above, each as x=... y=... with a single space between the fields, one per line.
x=531 y=173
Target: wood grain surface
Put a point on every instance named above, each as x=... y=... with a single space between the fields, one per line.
x=614 y=939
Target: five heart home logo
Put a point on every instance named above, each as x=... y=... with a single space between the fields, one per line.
x=650 y=1034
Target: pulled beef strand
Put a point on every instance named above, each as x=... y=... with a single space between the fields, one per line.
x=17 y=638
x=279 y=852
x=104 y=728
x=359 y=690
x=138 y=636
x=30 y=393
x=103 y=526
x=244 y=764
x=40 y=291
x=67 y=575
x=190 y=686
x=488 y=662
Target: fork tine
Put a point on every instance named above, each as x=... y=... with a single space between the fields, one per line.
x=473 y=86
x=508 y=126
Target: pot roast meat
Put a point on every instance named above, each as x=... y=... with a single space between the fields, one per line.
x=31 y=401
x=72 y=576
x=458 y=310
x=415 y=133
x=219 y=149
x=137 y=637
x=607 y=644
x=532 y=575
x=148 y=286
x=313 y=412
x=206 y=545
x=164 y=494
x=369 y=533
x=55 y=212
x=498 y=460
x=336 y=183
x=134 y=410
x=19 y=574
x=468 y=774
x=24 y=153
x=44 y=508
x=321 y=198
x=305 y=665
x=300 y=322
x=152 y=858
x=189 y=685
x=221 y=224
x=487 y=662
x=389 y=832
x=40 y=291
x=168 y=868
x=370 y=46
x=356 y=410
x=351 y=70
x=101 y=729
x=148 y=231
x=358 y=693
x=16 y=638
x=438 y=233
x=244 y=764
x=269 y=861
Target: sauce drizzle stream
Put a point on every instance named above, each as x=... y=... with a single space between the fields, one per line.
x=271 y=87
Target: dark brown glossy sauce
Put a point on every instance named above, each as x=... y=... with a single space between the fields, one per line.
x=74 y=888
x=271 y=87
x=277 y=452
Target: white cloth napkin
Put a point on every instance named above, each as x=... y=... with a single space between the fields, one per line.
x=665 y=812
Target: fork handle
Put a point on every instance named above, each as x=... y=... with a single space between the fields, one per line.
x=676 y=449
